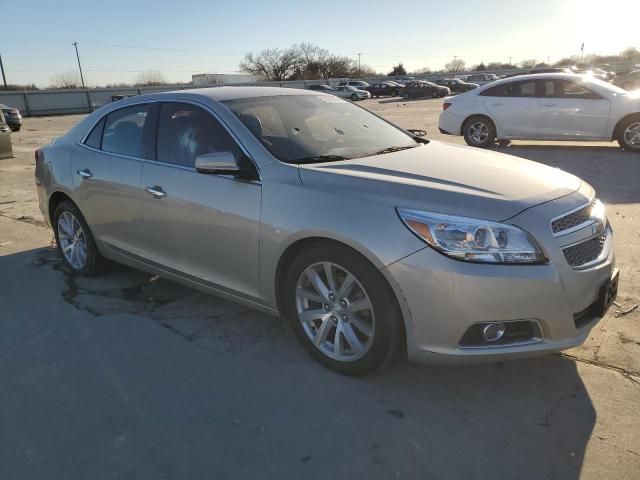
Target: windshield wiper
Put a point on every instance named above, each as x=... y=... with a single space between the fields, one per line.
x=393 y=149
x=320 y=159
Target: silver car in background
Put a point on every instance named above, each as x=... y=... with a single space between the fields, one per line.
x=372 y=242
x=352 y=93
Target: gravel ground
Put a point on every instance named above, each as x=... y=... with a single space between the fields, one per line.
x=131 y=376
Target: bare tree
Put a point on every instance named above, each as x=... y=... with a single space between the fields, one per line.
x=530 y=63
x=150 y=78
x=272 y=64
x=455 y=65
x=398 y=70
x=68 y=79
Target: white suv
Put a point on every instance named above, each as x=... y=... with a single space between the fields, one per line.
x=548 y=106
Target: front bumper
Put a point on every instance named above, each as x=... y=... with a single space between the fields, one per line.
x=443 y=298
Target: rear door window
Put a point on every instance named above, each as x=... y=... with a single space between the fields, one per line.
x=525 y=88
x=94 y=139
x=124 y=131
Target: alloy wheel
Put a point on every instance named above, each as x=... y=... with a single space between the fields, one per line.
x=73 y=242
x=478 y=132
x=632 y=135
x=335 y=311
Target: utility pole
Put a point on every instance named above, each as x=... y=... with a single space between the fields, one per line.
x=359 y=72
x=510 y=60
x=75 y=44
x=4 y=79
x=548 y=62
x=581 y=52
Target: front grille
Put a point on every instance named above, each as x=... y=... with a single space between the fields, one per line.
x=573 y=219
x=585 y=252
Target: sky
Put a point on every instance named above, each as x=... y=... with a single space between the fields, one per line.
x=119 y=39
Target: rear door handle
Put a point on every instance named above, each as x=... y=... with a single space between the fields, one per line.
x=85 y=173
x=156 y=191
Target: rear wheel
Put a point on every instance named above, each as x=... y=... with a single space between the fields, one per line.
x=479 y=132
x=342 y=310
x=629 y=136
x=75 y=242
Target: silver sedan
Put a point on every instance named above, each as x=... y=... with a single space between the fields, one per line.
x=373 y=242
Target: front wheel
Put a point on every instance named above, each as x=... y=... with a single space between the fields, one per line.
x=354 y=97
x=629 y=137
x=342 y=310
x=479 y=132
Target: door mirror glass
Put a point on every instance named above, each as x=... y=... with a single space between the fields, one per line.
x=217 y=162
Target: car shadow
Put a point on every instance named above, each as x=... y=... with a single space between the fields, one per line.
x=404 y=100
x=613 y=172
x=233 y=382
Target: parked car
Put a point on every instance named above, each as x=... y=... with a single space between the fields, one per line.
x=628 y=81
x=351 y=93
x=360 y=85
x=456 y=85
x=12 y=117
x=320 y=88
x=547 y=106
x=384 y=89
x=419 y=89
x=405 y=80
x=6 y=150
x=482 y=79
x=369 y=240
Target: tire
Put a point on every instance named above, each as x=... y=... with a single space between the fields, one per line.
x=483 y=134
x=378 y=330
x=354 y=97
x=406 y=96
x=394 y=93
x=435 y=94
x=629 y=134
x=15 y=129
x=92 y=261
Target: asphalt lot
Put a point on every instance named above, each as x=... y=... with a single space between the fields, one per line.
x=130 y=376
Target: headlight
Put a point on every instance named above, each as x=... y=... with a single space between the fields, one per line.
x=471 y=239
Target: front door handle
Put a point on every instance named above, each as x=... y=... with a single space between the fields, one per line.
x=85 y=173
x=156 y=191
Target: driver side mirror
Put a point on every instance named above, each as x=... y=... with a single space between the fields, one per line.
x=217 y=162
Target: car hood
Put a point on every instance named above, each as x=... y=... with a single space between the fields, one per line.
x=444 y=178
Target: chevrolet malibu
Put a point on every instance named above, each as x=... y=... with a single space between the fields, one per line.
x=371 y=241
x=547 y=106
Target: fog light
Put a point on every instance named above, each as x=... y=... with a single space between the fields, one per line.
x=493 y=332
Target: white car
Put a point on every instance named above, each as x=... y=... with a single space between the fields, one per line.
x=351 y=93
x=547 y=106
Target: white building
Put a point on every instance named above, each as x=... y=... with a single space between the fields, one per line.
x=219 y=79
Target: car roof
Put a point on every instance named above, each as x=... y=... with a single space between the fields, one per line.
x=222 y=94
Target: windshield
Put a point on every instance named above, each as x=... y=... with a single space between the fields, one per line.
x=315 y=128
x=606 y=85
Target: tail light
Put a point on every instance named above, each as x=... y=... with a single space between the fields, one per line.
x=445 y=105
